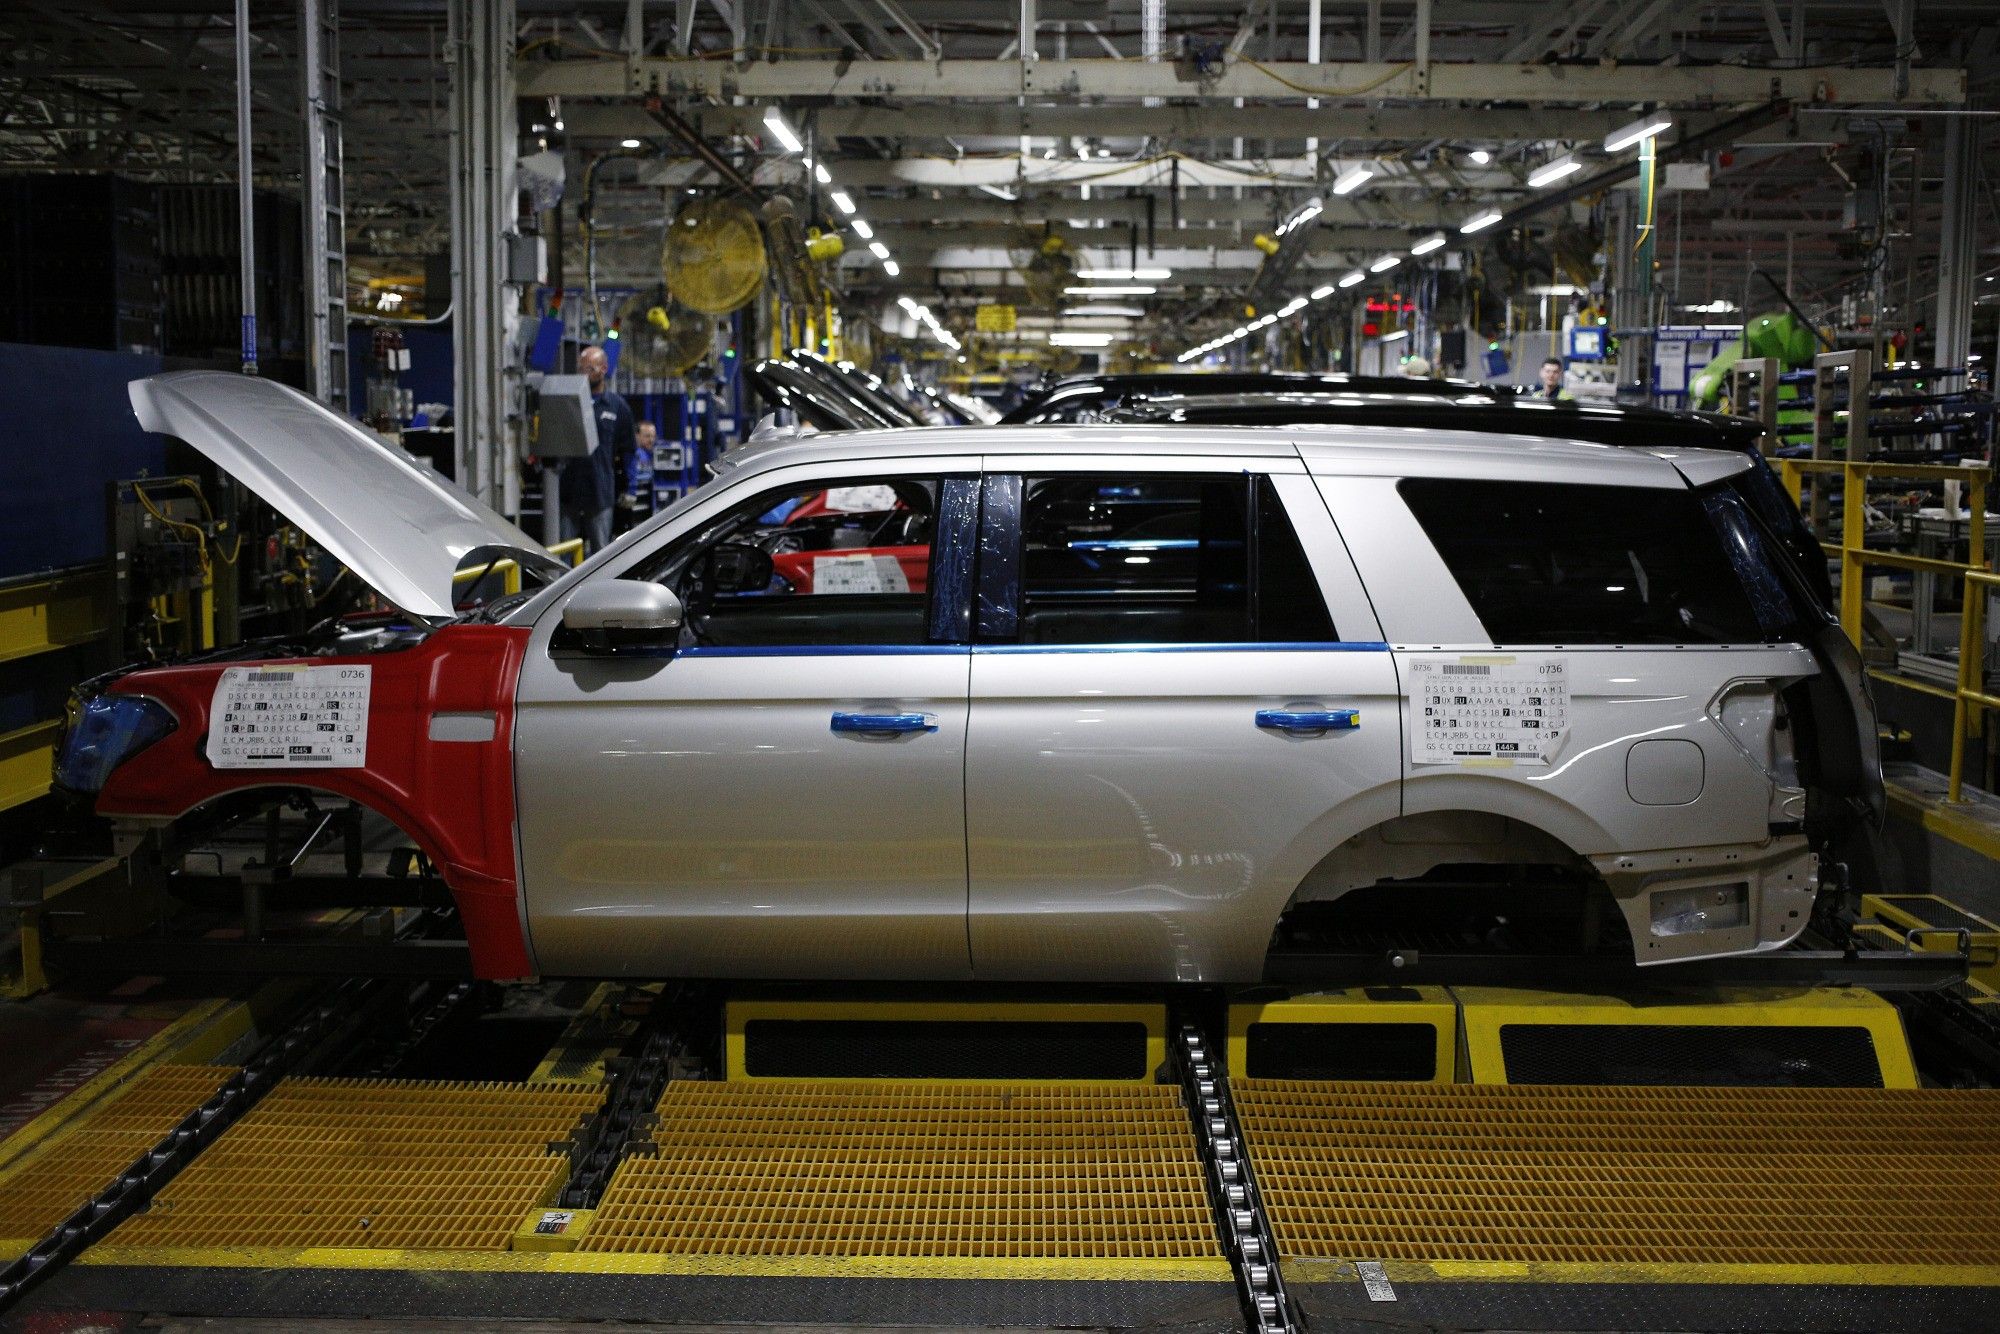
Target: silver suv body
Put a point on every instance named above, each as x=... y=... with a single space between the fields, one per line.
x=1108 y=703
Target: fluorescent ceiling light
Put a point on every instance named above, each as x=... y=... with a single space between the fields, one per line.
x=1110 y=291
x=881 y=251
x=1392 y=337
x=1479 y=223
x=891 y=267
x=1116 y=311
x=1352 y=278
x=1480 y=156
x=782 y=132
x=1384 y=264
x=1322 y=293
x=1643 y=128
x=1128 y=275
x=1072 y=338
x=1352 y=179
x=863 y=230
x=1432 y=242
x=1292 y=307
x=628 y=143
x=842 y=201
x=819 y=174
x=1551 y=172
x=1241 y=331
x=907 y=304
x=1311 y=210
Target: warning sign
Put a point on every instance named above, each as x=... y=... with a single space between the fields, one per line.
x=290 y=717
x=1487 y=709
x=993 y=319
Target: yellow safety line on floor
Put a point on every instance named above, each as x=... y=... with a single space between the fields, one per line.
x=722 y=1266
x=1613 y=1175
x=1101 y=1175
x=39 y=1190
x=399 y=1164
x=1509 y=1271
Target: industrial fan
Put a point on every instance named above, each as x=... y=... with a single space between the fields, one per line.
x=1046 y=263
x=658 y=338
x=791 y=256
x=1126 y=356
x=713 y=256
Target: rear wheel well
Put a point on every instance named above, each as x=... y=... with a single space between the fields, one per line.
x=1452 y=880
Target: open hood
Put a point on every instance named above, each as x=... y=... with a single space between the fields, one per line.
x=819 y=399
x=401 y=528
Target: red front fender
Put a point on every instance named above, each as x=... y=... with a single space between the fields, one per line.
x=455 y=798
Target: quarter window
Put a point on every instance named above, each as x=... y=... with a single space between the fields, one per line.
x=1554 y=564
x=1178 y=559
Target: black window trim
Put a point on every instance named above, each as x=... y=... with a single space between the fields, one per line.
x=996 y=620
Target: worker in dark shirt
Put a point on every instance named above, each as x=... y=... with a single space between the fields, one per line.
x=590 y=484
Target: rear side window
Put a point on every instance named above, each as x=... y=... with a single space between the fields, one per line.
x=1553 y=564
x=1181 y=559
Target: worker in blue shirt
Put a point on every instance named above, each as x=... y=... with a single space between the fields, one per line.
x=590 y=484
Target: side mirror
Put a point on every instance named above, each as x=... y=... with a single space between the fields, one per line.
x=630 y=606
x=736 y=567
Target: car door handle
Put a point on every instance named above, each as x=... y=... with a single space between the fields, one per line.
x=1312 y=720
x=884 y=723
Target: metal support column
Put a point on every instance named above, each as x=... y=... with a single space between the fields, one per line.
x=486 y=383
x=246 y=199
x=325 y=203
x=1958 y=240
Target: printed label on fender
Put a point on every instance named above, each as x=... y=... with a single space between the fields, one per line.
x=290 y=718
x=1487 y=709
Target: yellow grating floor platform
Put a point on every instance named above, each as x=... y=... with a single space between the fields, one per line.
x=372 y=1163
x=49 y=1184
x=1759 y=1176
x=1020 y=1172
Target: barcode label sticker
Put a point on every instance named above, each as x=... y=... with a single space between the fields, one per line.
x=1500 y=711
x=290 y=718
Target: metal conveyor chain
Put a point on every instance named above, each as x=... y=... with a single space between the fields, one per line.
x=603 y=1141
x=420 y=1027
x=1246 y=1234
x=150 y=1172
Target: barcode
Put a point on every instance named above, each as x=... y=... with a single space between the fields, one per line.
x=1450 y=670
x=268 y=678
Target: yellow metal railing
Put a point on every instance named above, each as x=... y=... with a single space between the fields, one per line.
x=1969 y=699
x=510 y=570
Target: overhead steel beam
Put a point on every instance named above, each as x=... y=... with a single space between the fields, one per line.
x=1285 y=81
x=1406 y=212
x=1179 y=123
x=912 y=236
x=976 y=173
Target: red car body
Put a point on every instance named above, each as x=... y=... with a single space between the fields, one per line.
x=454 y=799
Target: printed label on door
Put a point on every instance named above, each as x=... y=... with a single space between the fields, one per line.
x=290 y=718
x=858 y=574
x=1487 y=709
